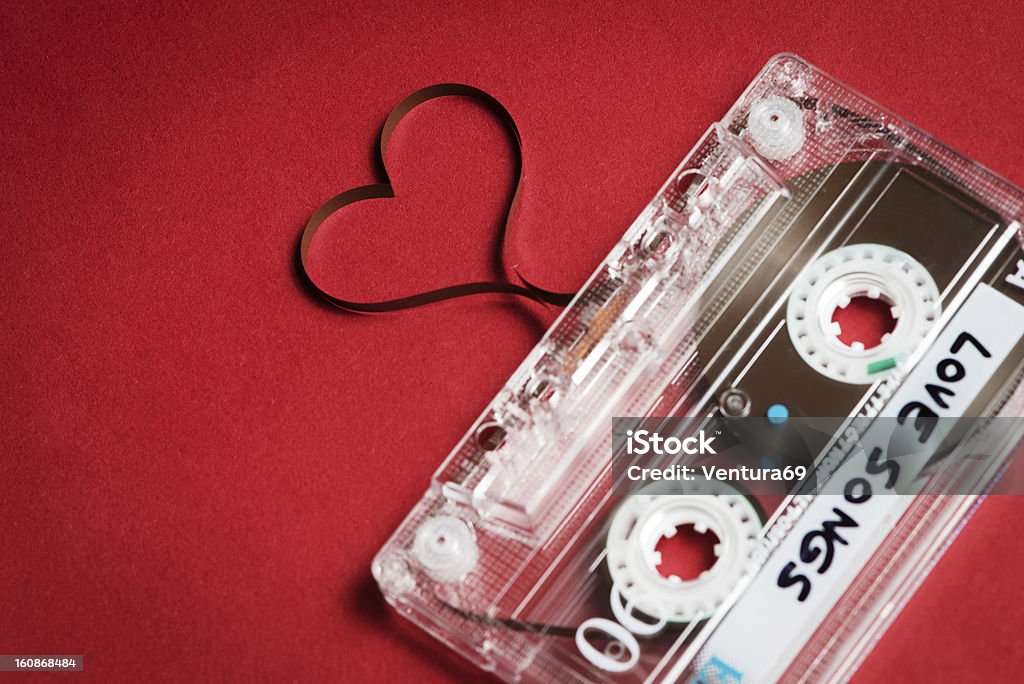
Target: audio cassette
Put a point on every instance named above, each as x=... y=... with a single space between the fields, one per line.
x=708 y=384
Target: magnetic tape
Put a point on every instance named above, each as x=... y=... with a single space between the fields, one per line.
x=540 y=549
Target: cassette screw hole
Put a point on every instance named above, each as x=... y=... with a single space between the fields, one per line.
x=490 y=436
x=864 y=322
x=734 y=403
x=687 y=554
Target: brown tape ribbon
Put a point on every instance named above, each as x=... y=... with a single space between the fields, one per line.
x=385 y=190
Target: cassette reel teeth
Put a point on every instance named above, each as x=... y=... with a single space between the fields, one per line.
x=655 y=512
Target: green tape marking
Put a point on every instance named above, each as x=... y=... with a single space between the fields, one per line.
x=881 y=365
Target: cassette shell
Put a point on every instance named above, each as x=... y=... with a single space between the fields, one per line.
x=690 y=304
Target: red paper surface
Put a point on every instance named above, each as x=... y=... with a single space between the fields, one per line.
x=200 y=459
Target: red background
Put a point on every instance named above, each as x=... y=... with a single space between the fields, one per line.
x=200 y=459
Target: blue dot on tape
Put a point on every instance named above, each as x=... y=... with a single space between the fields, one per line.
x=777 y=414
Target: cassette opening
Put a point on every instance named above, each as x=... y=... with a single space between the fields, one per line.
x=687 y=552
x=864 y=321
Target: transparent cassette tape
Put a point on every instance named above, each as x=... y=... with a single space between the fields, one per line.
x=535 y=555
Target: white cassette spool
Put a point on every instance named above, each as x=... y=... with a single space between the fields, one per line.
x=645 y=518
x=832 y=280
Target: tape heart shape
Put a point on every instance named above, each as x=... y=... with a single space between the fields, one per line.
x=384 y=190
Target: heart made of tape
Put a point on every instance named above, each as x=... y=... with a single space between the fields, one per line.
x=384 y=190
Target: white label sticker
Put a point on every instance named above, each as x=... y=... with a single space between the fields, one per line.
x=829 y=545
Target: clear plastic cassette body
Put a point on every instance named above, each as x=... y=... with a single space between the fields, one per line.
x=511 y=556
